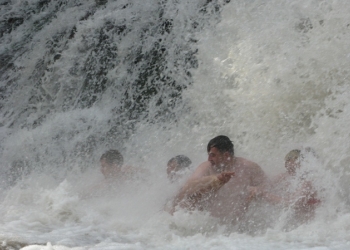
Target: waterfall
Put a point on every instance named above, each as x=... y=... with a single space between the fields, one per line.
x=79 y=76
x=158 y=78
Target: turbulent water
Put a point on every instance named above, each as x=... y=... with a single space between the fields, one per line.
x=158 y=78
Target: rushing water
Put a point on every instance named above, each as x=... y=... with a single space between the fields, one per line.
x=154 y=79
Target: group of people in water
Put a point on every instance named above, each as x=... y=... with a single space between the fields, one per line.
x=225 y=185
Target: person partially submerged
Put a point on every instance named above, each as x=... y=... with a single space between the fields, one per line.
x=177 y=166
x=111 y=163
x=115 y=173
x=113 y=168
x=220 y=185
x=292 y=189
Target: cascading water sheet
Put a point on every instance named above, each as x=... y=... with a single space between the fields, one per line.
x=155 y=79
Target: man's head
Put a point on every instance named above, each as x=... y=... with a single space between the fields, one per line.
x=176 y=166
x=220 y=151
x=292 y=161
x=111 y=162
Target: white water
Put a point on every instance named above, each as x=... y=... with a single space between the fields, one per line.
x=265 y=78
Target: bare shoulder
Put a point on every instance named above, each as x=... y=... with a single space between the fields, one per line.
x=252 y=171
x=247 y=164
x=204 y=166
x=203 y=169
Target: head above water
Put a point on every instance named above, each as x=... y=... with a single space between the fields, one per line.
x=294 y=158
x=292 y=155
x=292 y=161
x=111 y=162
x=176 y=165
x=222 y=143
x=220 y=152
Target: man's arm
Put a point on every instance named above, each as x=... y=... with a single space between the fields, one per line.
x=200 y=182
x=205 y=184
x=305 y=196
x=204 y=169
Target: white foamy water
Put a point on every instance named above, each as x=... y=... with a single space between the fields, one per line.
x=272 y=75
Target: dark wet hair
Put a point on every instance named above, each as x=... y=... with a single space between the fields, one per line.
x=292 y=155
x=182 y=161
x=222 y=143
x=297 y=153
x=113 y=156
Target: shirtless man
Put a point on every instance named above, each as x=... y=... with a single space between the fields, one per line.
x=177 y=167
x=112 y=166
x=115 y=173
x=220 y=184
x=292 y=189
